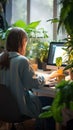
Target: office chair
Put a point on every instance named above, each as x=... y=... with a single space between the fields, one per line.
x=9 y=108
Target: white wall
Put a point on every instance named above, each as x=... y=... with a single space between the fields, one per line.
x=42 y=10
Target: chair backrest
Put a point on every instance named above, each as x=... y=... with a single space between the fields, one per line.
x=9 y=108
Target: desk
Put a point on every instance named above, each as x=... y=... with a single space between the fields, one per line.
x=50 y=92
x=45 y=91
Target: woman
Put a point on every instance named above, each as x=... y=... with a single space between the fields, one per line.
x=16 y=73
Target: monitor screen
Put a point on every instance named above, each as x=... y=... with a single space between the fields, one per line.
x=56 y=50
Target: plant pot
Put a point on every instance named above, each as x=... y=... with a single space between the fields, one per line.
x=39 y=64
x=44 y=66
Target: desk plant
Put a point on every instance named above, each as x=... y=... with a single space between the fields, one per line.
x=58 y=62
x=38 y=47
x=60 y=71
x=39 y=51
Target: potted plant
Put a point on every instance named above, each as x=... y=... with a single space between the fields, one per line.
x=62 y=103
x=69 y=66
x=63 y=100
x=60 y=70
x=39 y=51
x=58 y=62
x=20 y=23
x=66 y=22
x=69 y=61
x=38 y=47
x=3 y=25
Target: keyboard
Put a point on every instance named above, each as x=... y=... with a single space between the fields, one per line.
x=48 y=81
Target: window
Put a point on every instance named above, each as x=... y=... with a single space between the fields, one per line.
x=42 y=10
x=15 y=10
x=33 y=10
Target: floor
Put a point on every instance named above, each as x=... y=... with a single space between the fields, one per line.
x=28 y=125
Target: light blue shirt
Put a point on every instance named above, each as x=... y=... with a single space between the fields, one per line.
x=19 y=77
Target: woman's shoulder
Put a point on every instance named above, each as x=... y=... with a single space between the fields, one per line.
x=23 y=58
x=18 y=58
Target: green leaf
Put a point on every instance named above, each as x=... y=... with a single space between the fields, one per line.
x=33 y=25
x=59 y=61
x=54 y=20
x=68 y=66
x=19 y=23
x=63 y=99
x=46 y=114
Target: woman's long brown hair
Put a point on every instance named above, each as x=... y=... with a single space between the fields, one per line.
x=13 y=43
x=4 y=60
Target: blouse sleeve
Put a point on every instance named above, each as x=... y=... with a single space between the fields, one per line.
x=29 y=78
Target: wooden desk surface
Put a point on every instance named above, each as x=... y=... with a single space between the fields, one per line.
x=50 y=92
x=45 y=91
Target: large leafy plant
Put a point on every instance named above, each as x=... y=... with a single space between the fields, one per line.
x=3 y=1
x=63 y=99
x=70 y=62
x=66 y=22
x=66 y=16
x=37 y=47
x=29 y=28
x=39 y=50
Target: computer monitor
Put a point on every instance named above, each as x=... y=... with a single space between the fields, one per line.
x=56 y=50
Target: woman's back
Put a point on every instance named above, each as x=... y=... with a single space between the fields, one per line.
x=19 y=78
